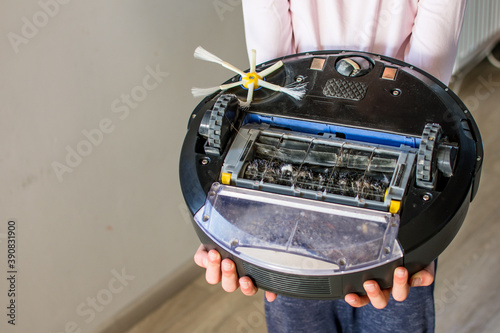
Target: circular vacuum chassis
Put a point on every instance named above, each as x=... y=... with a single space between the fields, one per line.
x=429 y=218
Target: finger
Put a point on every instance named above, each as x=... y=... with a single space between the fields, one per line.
x=213 y=273
x=356 y=301
x=423 y=278
x=378 y=298
x=270 y=296
x=201 y=256
x=247 y=286
x=400 y=288
x=229 y=276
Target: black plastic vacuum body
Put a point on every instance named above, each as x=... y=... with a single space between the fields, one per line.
x=373 y=169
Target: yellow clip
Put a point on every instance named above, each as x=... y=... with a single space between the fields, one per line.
x=395 y=206
x=226 y=178
x=251 y=77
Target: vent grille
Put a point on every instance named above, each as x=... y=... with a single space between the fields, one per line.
x=352 y=90
x=291 y=284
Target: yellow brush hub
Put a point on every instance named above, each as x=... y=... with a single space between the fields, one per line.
x=250 y=78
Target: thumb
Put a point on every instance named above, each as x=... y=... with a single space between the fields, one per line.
x=423 y=278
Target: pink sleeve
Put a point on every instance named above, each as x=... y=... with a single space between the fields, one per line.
x=434 y=39
x=268 y=28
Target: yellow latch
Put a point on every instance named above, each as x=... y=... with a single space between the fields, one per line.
x=395 y=206
x=226 y=178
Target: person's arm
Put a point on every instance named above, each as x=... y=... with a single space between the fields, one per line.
x=268 y=28
x=434 y=39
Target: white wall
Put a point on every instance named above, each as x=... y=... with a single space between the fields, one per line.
x=120 y=207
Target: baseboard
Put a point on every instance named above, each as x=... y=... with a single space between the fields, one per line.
x=141 y=307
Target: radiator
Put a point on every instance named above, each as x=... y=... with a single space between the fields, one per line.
x=480 y=33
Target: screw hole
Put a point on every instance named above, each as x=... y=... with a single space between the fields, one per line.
x=396 y=92
x=299 y=79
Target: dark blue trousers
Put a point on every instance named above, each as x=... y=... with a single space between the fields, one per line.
x=292 y=315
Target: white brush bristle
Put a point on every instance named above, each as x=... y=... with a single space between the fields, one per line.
x=297 y=91
x=244 y=105
x=202 y=54
x=200 y=92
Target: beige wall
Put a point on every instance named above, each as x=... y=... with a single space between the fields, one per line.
x=96 y=232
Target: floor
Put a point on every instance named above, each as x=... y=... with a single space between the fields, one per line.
x=467 y=284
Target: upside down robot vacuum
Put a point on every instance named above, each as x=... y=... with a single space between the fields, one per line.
x=318 y=171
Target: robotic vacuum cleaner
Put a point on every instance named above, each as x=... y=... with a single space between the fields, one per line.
x=318 y=171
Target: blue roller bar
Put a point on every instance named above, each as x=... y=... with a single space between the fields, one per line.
x=356 y=134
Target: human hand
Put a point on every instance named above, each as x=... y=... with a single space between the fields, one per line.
x=400 y=289
x=225 y=272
